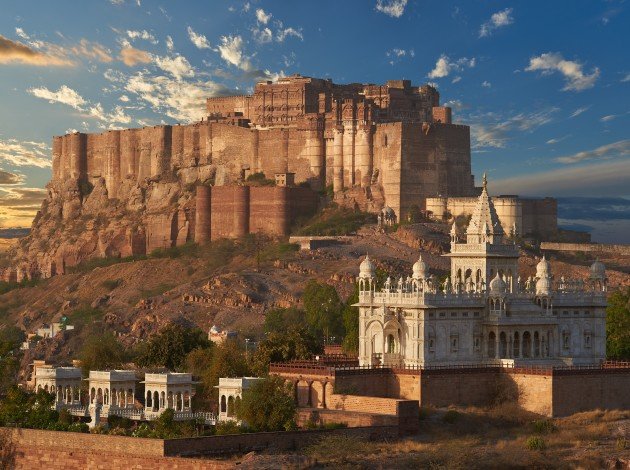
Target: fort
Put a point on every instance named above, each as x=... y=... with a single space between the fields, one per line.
x=377 y=148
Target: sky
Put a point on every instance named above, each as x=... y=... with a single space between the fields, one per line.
x=543 y=85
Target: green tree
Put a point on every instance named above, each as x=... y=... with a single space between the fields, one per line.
x=323 y=309
x=351 y=323
x=170 y=346
x=295 y=343
x=268 y=405
x=101 y=352
x=278 y=320
x=27 y=409
x=618 y=326
x=228 y=361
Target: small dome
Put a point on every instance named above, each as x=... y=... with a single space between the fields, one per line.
x=543 y=268
x=367 y=268
x=420 y=269
x=497 y=285
x=598 y=270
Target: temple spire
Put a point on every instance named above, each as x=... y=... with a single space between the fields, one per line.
x=485 y=182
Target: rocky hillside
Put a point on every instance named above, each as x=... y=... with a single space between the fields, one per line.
x=228 y=284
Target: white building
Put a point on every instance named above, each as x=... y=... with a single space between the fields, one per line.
x=231 y=393
x=50 y=331
x=112 y=389
x=63 y=382
x=483 y=312
x=168 y=390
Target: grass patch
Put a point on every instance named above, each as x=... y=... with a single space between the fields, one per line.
x=93 y=263
x=535 y=443
x=9 y=286
x=334 y=221
x=338 y=448
x=84 y=315
x=157 y=290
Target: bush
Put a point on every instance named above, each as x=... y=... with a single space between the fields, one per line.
x=79 y=427
x=229 y=427
x=535 y=443
x=111 y=284
x=544 y=426
x=451 y=416
x=336 y=221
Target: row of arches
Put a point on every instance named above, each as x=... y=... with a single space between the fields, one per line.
x=118 y=397
x=229 y=404
x=69 y=395
x=520 y=344
x=178 y=401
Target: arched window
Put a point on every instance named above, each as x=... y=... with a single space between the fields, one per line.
x=502 y=345
x=148 y=403
x=230 y=406
x=391 y=344
x=517 y=345
x=536 y=344
x=527 y=344
x=492 y=338
x=223 y=404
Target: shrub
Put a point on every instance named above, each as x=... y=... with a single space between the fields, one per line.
x=111 y=284
x=79 y=427
x=451 y=416
x=544 y=426
x=621 y=444
x=229 y=427
x=535 y=443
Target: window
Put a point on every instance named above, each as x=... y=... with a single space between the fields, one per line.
x=586 y=312
x=465 y=314
x=477 y=344
x=476 y=314
x=431 y=315
x=566 y=340
x=454 y=343
x=576 y=312
x=442 y=314
x=453 y=314
x=587 y=339
x=385 y=140
x=565 y=312
x=431 y=345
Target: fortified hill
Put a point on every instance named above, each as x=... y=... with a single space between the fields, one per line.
x=385 y=147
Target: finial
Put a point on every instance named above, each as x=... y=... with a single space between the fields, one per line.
x=485 y=182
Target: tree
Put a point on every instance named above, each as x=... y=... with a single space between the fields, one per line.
x=618 y=326
x=281 y=319
x=296 y=343
x=351 y=323
x=323 y=309
x=101 y=352
x=27 y=409
x=228 y=361
x=171 y=345
x=268 y=405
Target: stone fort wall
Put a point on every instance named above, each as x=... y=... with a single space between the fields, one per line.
x=529 y=216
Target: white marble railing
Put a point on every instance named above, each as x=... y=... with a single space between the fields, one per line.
x=138 y=415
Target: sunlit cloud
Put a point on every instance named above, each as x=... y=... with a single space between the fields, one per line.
x=497 y=20
x=14 y=52
x=24 y=153
x=572 y=71
x=604 y=152
x=393 y=8
x=444 y=66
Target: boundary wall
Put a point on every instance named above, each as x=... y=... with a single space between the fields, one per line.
x=595 y=247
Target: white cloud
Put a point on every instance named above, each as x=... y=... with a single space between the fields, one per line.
x=456 y=79
x=575 y=78
x=262 y=17
x=262 y=36
x=231 y=50
x=614 y=150
x=579 y=111
x=444 y=66
x=20 y=32
x=486 y=84
x=64 y=95
x=199 y=40
x=170 y=45
x=131 y=56
x=69 y=97
x=25 y=153
x=179 y=99
x=626 y=78
x=492 y=130
x=600 y=179
x=609 y=117
x=144 y=34
x=286 y=32
x=496 y=21
x=177 y=66
x=555 y=140
x=393 y=8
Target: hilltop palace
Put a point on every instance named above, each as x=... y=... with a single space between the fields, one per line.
x=483 y=312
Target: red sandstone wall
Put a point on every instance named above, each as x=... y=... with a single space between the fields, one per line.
x=583 y=392
x=269 y=210
x=440 y=388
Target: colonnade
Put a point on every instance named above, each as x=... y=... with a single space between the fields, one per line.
x=520 y=344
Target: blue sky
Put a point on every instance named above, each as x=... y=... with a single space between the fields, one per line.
x=543 y=85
